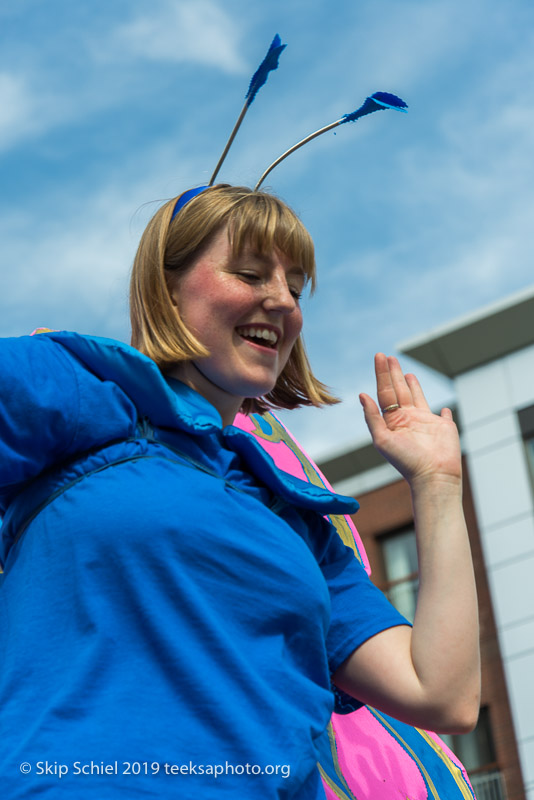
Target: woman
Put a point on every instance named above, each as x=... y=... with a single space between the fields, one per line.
x=169 y=596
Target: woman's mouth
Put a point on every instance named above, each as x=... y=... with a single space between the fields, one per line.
x=259 y=335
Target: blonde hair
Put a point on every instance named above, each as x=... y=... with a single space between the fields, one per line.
x=170 y=245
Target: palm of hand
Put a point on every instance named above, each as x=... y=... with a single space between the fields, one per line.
x=421 y=445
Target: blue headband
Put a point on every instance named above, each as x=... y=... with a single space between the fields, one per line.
x=185 y=198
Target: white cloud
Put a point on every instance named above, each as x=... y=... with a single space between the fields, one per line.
x=29 y=106
x=197 y=31
x=70 y=273
x=37 y=97
x=18 y=109
x=65 y=263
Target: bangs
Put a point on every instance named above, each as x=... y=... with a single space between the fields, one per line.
x=263 y=223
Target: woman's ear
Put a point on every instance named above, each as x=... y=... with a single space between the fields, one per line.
x=172 y=286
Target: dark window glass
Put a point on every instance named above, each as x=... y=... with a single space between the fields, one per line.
x=474 y=749
x=399 y=554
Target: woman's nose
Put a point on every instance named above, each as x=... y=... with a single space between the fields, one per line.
x=278 y=296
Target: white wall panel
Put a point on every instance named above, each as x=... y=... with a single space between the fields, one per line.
x=483 y=393
x=516 y=640
x=501 y=484
x=520 y=368
x=521 y=671
x=491 y=432
x=512 y=589
x=507 y=542
x=526 y=756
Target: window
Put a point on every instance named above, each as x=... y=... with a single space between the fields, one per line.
x=399 y=554
x=476 y=751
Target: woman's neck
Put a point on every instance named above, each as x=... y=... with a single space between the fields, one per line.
x=191 y=374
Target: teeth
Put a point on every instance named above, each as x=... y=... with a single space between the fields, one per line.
x=259 y=333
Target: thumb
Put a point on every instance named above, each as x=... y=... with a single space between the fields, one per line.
x=373 y=417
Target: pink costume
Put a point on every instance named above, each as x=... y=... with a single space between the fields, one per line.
x=369 y=755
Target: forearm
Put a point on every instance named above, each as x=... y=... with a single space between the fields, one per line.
x=445 y=637
x=428 y=676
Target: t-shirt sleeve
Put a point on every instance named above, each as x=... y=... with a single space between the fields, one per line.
x=359 y=610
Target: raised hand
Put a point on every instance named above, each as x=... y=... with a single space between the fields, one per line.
x=428 y=675
x=423 y=446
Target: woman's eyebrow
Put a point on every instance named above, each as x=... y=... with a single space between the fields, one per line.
x=296 y=269
x=299 y=271
x=266 y=259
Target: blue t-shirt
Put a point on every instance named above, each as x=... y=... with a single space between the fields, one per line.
x=173 y=612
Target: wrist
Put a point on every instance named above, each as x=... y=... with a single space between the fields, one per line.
x=442 y=485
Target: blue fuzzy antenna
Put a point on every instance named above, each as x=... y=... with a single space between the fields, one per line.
x=379 y=101
x=269 y=63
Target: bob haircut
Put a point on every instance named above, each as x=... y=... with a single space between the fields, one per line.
x=169 y=246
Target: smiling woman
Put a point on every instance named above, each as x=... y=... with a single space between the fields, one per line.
x=171 y=597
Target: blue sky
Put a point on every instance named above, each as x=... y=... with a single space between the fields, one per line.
x=109 y=107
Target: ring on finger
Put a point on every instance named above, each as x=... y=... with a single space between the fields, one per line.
x=392 y=407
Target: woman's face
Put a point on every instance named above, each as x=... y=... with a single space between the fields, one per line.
x=246 y=312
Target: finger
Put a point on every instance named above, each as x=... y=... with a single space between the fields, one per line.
x=446 y=413
x=385 y=390
x=419 y=399
x=401 y=387
x=373 y=417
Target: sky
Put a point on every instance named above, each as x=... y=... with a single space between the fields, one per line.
x=111 y=107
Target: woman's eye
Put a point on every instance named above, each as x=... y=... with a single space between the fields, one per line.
x=256 y=277
x=249 y=276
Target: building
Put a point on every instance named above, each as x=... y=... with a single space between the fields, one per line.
x=489 y=356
